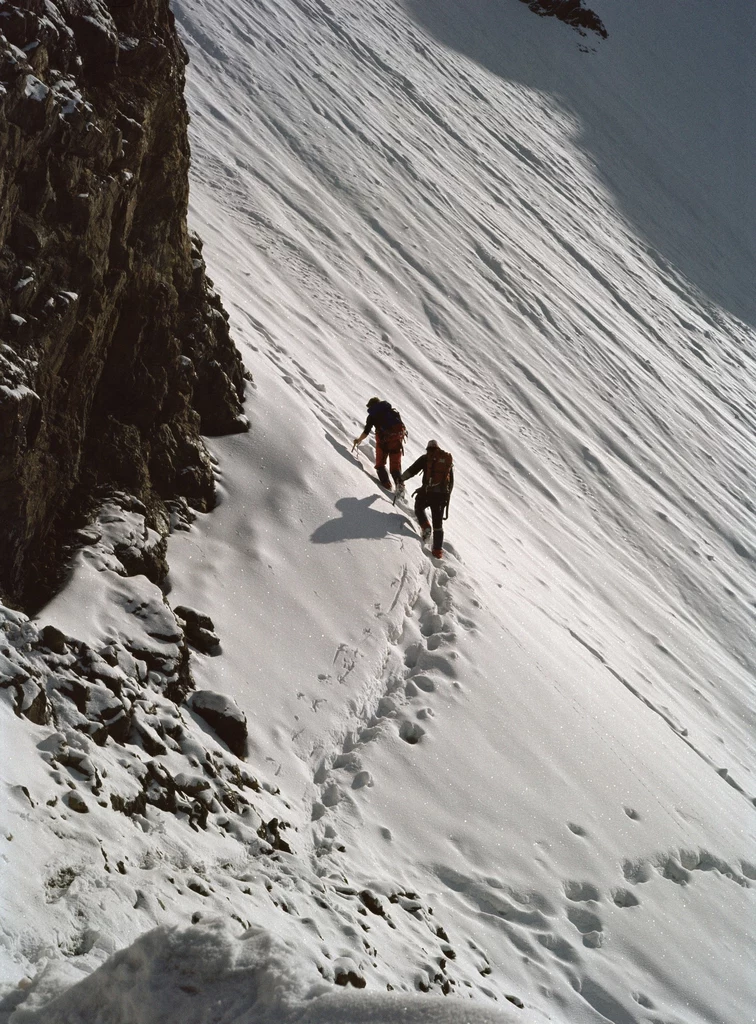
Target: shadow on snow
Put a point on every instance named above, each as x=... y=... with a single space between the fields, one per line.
x=360 y=522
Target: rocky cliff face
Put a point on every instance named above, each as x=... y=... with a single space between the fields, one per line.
x=114 y=349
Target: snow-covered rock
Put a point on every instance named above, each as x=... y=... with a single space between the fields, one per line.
x=223 y=714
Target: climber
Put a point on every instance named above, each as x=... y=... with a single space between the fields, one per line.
x=390 y=433
x=434 y=492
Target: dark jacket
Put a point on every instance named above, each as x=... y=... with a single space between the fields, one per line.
x=383 y=417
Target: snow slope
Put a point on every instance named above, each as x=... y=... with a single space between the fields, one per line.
x=527 y=771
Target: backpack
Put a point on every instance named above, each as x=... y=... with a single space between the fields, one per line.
x=437 y=473
x=386 y=416
x=390 y=427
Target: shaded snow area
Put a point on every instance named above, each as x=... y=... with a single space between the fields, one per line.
x=513 y=785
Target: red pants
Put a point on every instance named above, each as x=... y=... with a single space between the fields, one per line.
x=394 y=456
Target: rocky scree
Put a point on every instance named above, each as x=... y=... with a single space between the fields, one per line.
x=115 y=353
x=116 y=717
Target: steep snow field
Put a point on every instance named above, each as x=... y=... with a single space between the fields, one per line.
x=527 y=771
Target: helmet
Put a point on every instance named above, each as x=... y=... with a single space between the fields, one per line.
x=431 y=444
x=372 y=401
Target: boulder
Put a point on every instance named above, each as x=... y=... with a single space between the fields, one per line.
x=198 y=629
x=77 y=802
x=224 y=716
x=53 y=640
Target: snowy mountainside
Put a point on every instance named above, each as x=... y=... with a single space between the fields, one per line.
x=524 y=775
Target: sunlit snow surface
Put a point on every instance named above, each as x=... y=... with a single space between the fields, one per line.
x=537 y=247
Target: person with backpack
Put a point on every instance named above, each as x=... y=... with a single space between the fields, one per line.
x=390 y=433
x=434 y=493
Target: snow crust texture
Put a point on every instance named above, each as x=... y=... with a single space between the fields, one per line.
x=517 y=783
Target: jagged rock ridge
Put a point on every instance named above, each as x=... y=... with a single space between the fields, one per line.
x=114 y=349
x=571 y=12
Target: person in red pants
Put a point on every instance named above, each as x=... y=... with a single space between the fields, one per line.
x=389 y=440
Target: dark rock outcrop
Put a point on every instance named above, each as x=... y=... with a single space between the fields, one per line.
x=223 y=715
x=571 y=12
x=198 y=629
x=115 y=353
